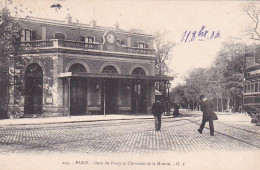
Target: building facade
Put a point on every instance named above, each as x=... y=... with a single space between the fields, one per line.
x=66 y=68
x=251 y=92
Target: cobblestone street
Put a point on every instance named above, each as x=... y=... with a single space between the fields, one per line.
x=232 y=133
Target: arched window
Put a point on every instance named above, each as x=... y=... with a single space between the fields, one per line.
x=59 y=36
x=77 y=68
x=138 y=72
x=109 y=70
x=141 y=45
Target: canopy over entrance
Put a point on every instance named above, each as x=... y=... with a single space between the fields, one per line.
x=115 y=76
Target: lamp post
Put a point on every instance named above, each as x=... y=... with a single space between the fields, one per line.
x=168 y=85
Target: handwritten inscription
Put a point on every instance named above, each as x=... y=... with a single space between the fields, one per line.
x=201 y=35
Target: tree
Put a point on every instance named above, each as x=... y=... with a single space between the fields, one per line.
x=253 y=12
x=9 y=32
x=163 y=49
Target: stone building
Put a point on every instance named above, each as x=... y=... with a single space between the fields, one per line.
x=66 y=68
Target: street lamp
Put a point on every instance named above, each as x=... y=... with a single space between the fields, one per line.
x=168 y=85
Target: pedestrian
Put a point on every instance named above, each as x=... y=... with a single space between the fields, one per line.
x=207 y=107
x=157 y=111
x=176 y=109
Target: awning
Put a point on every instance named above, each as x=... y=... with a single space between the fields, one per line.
x=115 y=76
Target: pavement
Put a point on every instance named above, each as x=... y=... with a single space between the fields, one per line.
x=70 y=119
x=233 y=117
x=63 y=142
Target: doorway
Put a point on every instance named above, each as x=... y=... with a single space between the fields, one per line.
x=78 y=96
x=78 y=90
x=33 y=89
x=109 y=96
x=138 y=96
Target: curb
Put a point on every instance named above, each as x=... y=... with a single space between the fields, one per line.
x=80 y=121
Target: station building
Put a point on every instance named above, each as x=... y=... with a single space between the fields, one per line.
x=66 y=68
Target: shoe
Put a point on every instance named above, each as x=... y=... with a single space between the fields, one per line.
x=212 y=134
x=199 y=131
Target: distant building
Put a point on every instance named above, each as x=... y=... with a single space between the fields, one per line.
x=66 y=68
x=251 y=94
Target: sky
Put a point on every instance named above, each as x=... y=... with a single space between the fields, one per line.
x=174 y=17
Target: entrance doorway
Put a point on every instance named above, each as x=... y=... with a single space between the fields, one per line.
x=109 y=96
x=33 y=89
x=78 y=91
x=78 y=96
x=138 y=92
x=138 y=96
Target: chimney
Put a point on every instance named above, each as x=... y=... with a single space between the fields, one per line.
x=93 y=23
x=116 y=26
x=69 y=19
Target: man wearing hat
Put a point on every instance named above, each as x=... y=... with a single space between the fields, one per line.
x=157 y=111
x=207 y=107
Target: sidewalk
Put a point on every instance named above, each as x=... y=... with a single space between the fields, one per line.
x=85 y=118
x=228 y=117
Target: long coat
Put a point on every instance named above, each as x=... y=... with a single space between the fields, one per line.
x=157 y=109
x=207 y=107
x=176 y=109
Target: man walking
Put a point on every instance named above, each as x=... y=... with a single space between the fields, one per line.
x=157 y=111
x=207 y=107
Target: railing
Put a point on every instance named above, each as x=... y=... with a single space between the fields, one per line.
x=77 y=44
x=55 y=43
x=137 y=50
x=23 y=46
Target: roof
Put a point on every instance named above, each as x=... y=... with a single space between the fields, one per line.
x=114 y=76
x=80 y=25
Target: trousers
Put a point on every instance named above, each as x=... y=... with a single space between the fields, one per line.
x=157 y=122
x=211 y=126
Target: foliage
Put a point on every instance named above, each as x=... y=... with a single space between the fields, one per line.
x=251 y=9
x=223 y=80
x=9 y=31
x=163 y=49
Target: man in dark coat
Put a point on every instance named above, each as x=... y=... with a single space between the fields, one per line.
x=157 y=111
x=207 y=107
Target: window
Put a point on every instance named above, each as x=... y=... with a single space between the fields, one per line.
x=256 y=87
x=59 y=36
x=248 y=88
x=120 y=42
x=89 y=40
x=141 y=45
x=245 y=88
x=82 y=39
x=138 y=72
x=26 y=35
x=252 y=88
x=109 y=70
x=77 y=68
